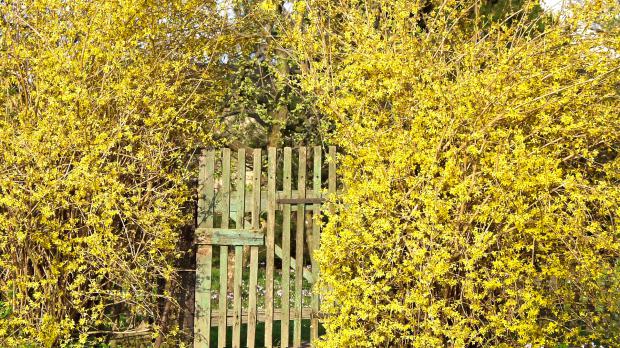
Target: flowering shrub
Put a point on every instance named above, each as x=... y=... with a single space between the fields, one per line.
x=103 y=104
x=480 y=159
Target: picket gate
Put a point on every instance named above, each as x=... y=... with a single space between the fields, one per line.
x=250 y=212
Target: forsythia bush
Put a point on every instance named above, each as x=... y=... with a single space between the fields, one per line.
x=481 y=169
x=103 y=104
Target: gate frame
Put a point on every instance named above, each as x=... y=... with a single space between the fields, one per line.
x=208 y=237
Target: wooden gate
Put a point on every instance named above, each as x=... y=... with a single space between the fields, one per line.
x=252 y=213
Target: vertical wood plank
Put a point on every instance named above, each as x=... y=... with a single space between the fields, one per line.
x=204 y=254
x=223 y=302
x=316 y=230
x=238 y=281
x=256 y=198
x=299 y=247
x=286 y=250
x=270 y=245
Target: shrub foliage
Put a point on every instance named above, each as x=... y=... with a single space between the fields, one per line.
x=480 y=158
x=103 y=105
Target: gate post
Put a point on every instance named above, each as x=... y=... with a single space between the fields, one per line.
x=204 y=253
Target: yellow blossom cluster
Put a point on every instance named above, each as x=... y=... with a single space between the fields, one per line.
x=103 y=105
x=481 y=171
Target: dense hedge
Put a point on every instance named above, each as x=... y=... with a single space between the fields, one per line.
x=103 y=105
x=482 y=173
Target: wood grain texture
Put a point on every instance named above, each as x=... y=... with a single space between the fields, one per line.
x=223 y=297
x=233 y=206
x=299 y=246
x=255 y=206
x=238 y=276
x=269 y=243
x=286 y=250
x=232 y=237
x=204 y=253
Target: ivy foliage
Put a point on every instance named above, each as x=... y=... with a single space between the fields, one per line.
x=480 y=160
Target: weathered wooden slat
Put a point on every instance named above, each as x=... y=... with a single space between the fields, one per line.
x=201 y=231
x=279 y=197
x=255 y=207
x=299 y=247
x=233 y=205
x=237 y=300
x=277 y=315
x=299 y=201
x=204 y=254
x=223 y=304
x=286 y=250
x=316 y=238
x=232 y=237
x=270 y=241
